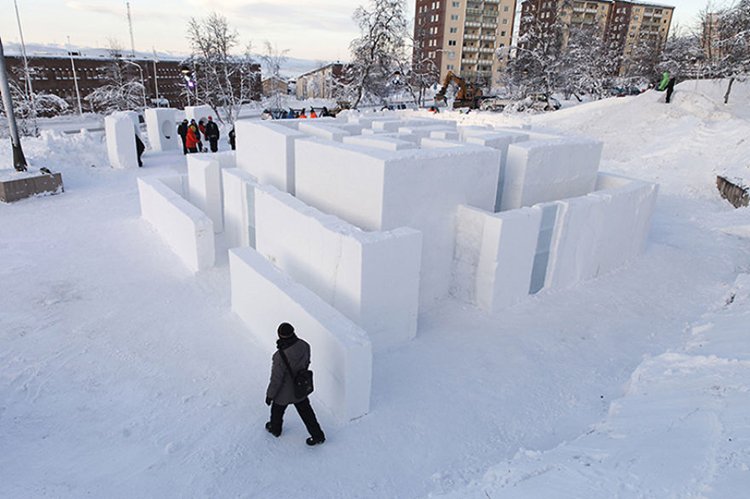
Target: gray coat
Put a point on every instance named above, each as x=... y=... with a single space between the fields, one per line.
x=281 y=386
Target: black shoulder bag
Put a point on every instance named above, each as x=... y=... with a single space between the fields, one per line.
x=303 y=380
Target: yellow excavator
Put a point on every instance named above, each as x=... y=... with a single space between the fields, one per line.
x=468 y=94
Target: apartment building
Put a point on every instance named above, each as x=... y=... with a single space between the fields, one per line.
x=321 y=83
x=623 y=24
x=463 y=36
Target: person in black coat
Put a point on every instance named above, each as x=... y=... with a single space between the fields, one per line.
x=212 y=134
x=280 y=392
x=232 y=139
x=182 y=132
x=670 y=88
x=139 y=148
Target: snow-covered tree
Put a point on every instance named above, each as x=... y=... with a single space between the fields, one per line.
x=537 y=65
x=734 y=44
x=273 y=59
x=379 y=52
x=224 y=80
x=423 y=72
x=589 y=64
x=123 y=89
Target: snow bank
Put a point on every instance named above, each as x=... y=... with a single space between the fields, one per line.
x=184 y=228
x=372 y=278
x=341 y=357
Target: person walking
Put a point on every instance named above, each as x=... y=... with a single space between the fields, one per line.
x=295 y=352
x=232 y=139
x=192 y=138
x=182 y=132
x=139 y=148
x=670 y=88
x=212 y=134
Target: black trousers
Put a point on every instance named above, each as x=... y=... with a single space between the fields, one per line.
x=669 y=94
x=305 y=411
x=214 y=144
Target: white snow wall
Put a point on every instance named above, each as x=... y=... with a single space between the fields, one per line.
x=341 y=357
x=162 y=129
x=120 y=136
x=205 y=184
x=538 y=171
x=381 y=190
x=495 y=255
x=186 y=229
x=370 y=277
x=601 y=231
x=266 y=151
x=239 y=207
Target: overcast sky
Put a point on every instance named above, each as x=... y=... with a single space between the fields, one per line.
x=310 y=29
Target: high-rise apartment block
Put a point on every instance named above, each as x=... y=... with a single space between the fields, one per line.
x=622 y=24
x=463 y=36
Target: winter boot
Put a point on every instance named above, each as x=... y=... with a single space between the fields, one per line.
x=315 y=441
x=269 y=429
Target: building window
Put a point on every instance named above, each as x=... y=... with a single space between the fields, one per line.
x=454 y=17
x=452 y=43
x=456 y=5
x=454 y=30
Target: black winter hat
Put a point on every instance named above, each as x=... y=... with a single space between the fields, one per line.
x=285 y=330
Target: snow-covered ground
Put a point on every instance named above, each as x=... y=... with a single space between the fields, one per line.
x=124 y=375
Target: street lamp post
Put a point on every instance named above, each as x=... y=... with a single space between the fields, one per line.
x=143 y=84
x=19 y=160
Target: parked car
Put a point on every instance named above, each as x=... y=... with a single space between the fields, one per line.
x=624 y=91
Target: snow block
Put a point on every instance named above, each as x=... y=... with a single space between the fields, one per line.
x=204 y=187
x=372 y=278
x=120 y=135
x=266 y=151
x=539 y=171
x=384 y=190
x=239 y=207
x=495 y=254
x=427 y=131
x=430 y=143
x=162 y=129
x=500 y=141
x=379 y=142
x=322 y=131
x=263 y=297
x=198 y=113
x=184 y=227
x=445 y=134
x=597 y=233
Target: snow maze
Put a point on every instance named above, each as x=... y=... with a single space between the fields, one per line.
x=351 y=227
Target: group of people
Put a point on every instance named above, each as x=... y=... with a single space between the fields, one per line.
x=191 y=134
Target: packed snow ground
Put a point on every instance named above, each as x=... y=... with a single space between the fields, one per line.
x=124 y=375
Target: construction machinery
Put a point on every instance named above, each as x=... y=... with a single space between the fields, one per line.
x=468 y=94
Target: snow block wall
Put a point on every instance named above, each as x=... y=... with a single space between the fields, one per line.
x=162 y=129
x=341 y=353
x=184 y=227
x=370 y=277
x=600 y=232
x=383 y=190
x=328 y=132
x=120 y=136
x=500 y=141
x=495 y=255
x=379 y=142
x=266 y=151
x=538 y=171
x=239 y=207
x=204 y=185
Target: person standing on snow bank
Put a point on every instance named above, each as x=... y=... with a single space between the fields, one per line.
x=212 y=134
x=182 y=132
x=280 y=392
x=670 y=88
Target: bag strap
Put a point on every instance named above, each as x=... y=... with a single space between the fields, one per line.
x=286 y=361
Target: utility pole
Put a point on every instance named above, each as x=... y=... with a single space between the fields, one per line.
x=19 y=160
x=156 y=79
x=75 y=79
x=130 y=24
x=27 y=74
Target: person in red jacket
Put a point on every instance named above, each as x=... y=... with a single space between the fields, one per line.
x=313 y=114
x=192 y=139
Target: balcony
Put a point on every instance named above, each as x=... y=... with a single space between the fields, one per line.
x=471 y=37
x=472 y=24
x=467 y=48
